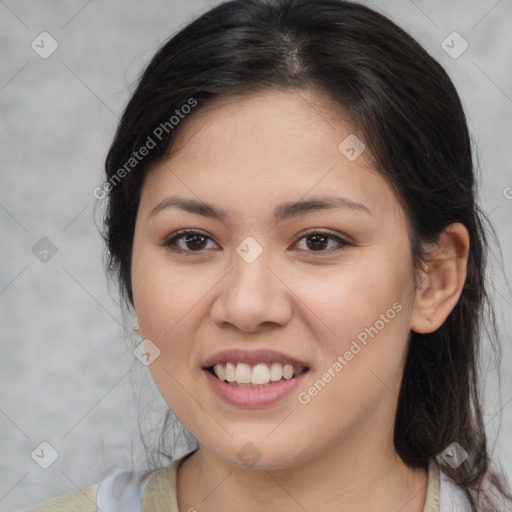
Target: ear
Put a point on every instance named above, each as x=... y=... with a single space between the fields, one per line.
x=443 y=279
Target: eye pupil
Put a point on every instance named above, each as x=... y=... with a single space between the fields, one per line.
x=194 y=240
x=319 y=237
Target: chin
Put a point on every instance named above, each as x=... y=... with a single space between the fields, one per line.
x=260 y=454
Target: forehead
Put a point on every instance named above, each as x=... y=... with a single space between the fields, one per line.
x=264 y=148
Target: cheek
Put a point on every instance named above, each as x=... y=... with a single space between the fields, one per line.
x=346 y=299
x=165 y=295
x=165 y=311
x=363 y=311
x=358 y=378
x=162 y=302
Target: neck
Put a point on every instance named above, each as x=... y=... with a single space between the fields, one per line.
x=371 y=478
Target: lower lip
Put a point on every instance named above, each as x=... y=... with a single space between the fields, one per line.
x=243 y=396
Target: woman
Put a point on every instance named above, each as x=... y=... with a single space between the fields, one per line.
x=292 y=217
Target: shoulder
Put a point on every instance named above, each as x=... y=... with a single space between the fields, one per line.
x=122 y=490
x=453 y=499
x=81 y=500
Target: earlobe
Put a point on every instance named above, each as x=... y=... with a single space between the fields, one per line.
x=443 y=279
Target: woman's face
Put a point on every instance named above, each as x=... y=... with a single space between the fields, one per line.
x=258 y=278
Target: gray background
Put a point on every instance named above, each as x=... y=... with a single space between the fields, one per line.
x=68 y=375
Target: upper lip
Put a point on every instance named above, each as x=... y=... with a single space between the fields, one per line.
x=252 y=357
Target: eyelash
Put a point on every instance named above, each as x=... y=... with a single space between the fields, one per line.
x=171 y=242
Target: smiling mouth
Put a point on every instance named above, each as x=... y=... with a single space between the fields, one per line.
x=254 y=376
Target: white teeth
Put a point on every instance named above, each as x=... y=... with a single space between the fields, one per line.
x=230 y=372
x=259 y=374
x=220 y=372
x=243 y=373
x=288 y=371
x=276 y=372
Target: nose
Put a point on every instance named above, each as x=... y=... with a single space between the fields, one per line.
x=252 y=296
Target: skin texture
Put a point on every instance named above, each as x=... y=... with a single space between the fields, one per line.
x=247 y=156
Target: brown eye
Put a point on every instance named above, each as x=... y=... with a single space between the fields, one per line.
x=187 y=241
x=318 y=242
x=197 y=242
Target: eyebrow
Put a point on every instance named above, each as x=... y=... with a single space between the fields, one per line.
x=281 y=212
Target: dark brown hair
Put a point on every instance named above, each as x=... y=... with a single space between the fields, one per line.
x=406 y=110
